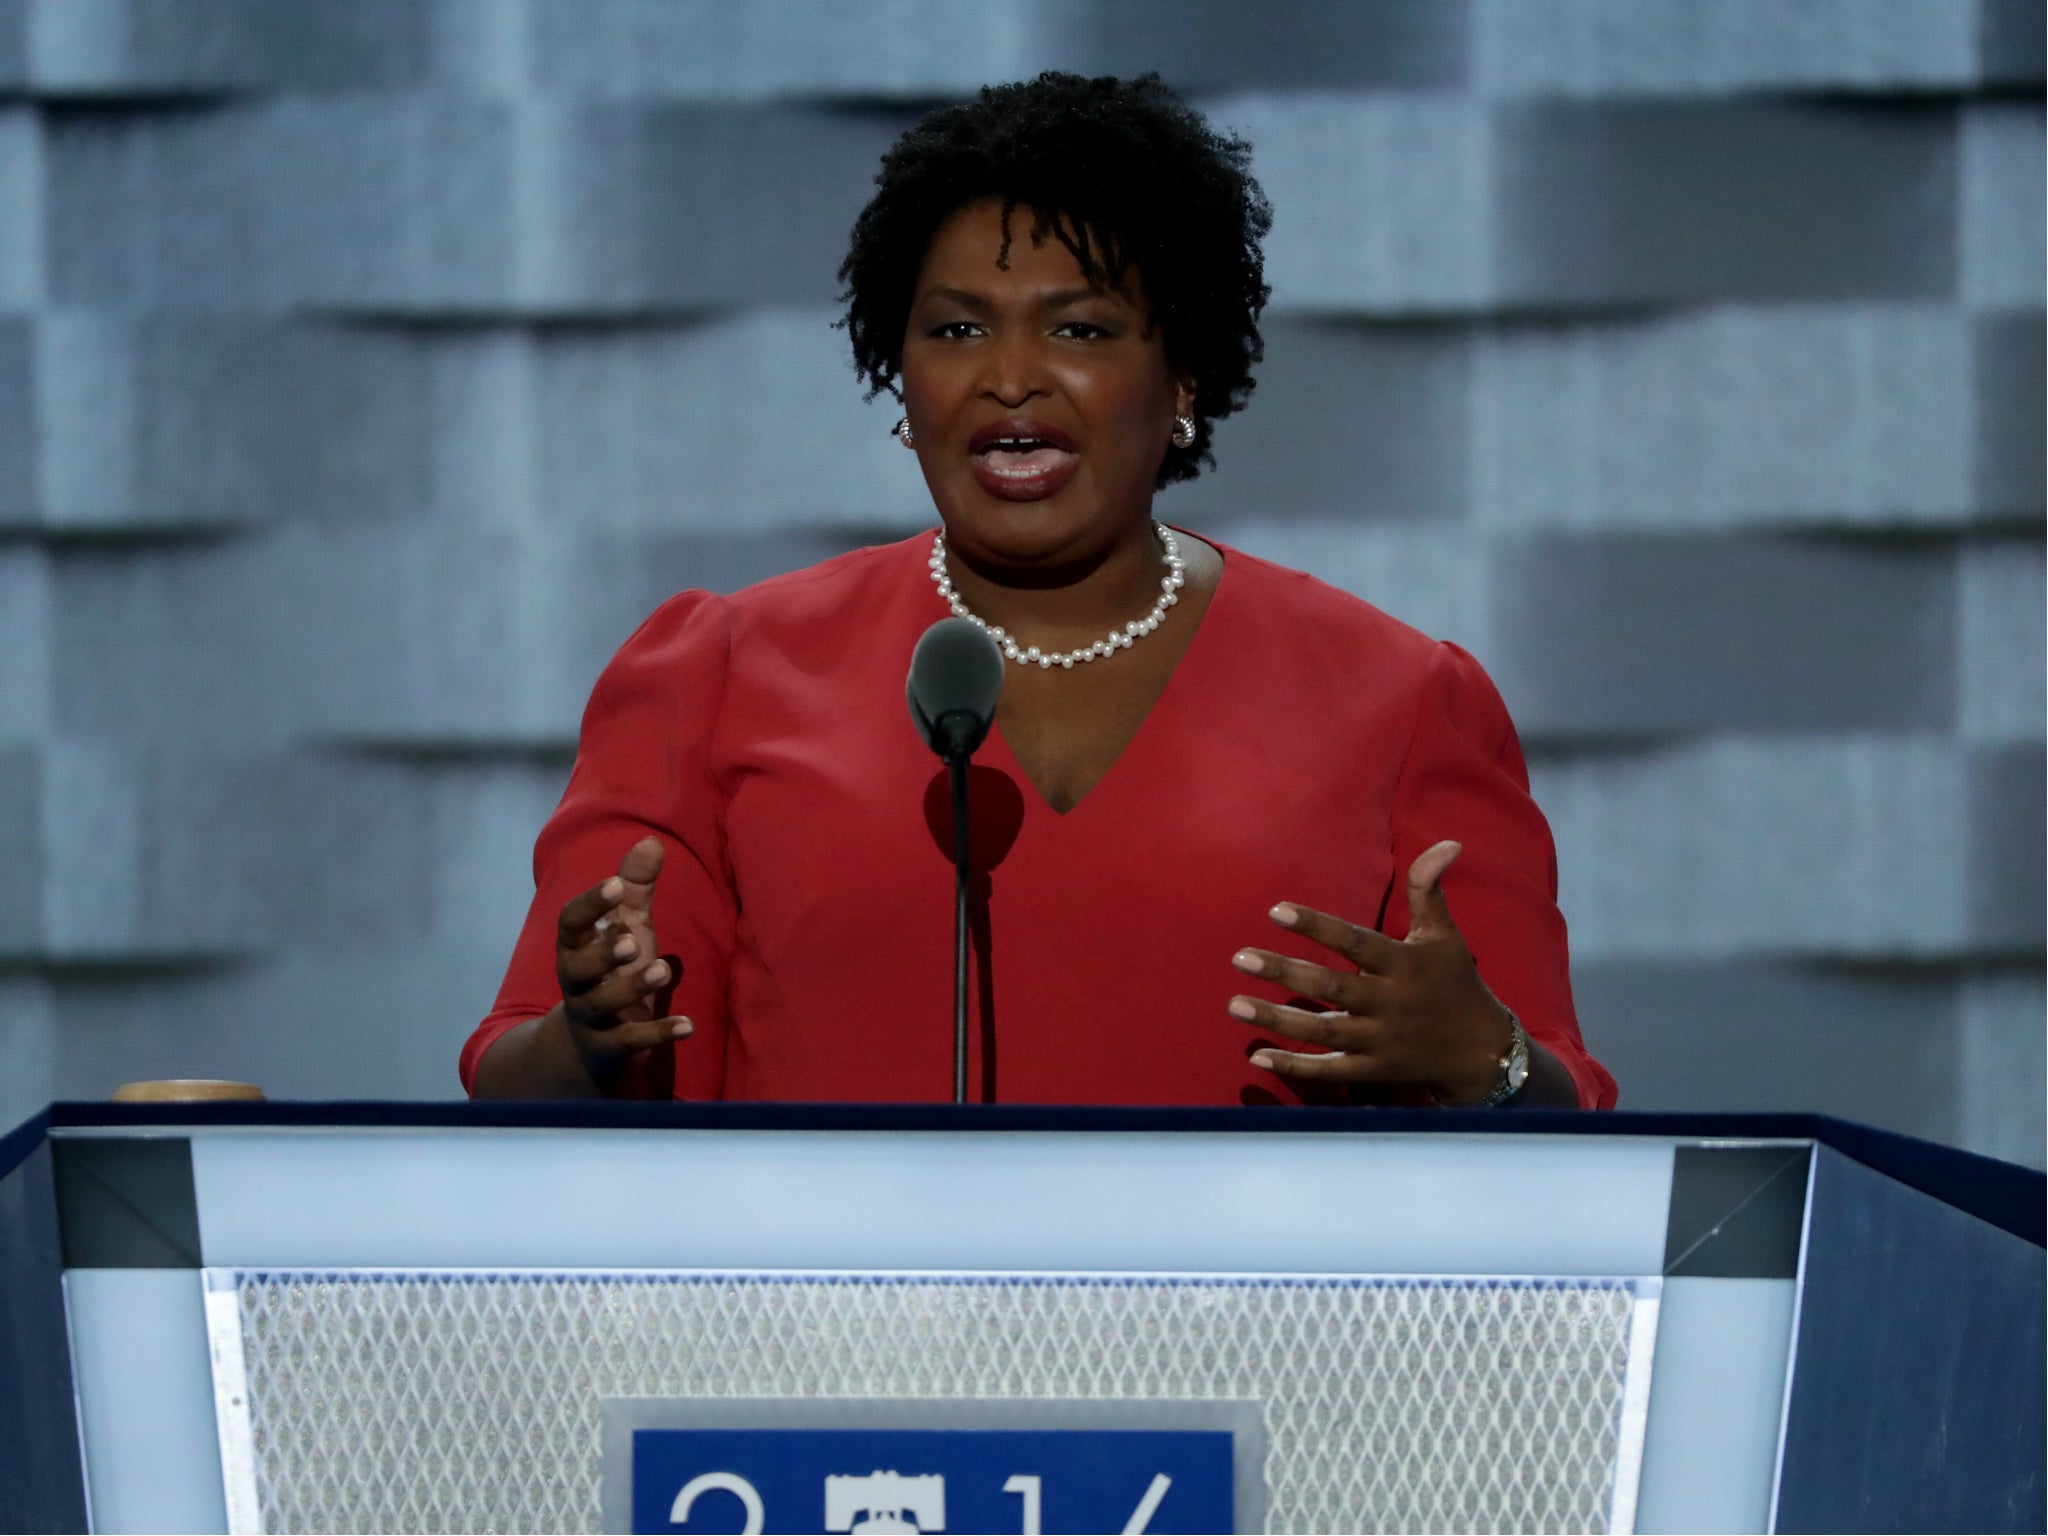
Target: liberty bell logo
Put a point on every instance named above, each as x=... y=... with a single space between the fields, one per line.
x=884 y=1502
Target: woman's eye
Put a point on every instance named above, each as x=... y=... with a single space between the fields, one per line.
x=1082 y=330
x=954 y=330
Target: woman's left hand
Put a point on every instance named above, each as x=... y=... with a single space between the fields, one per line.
x=1405 y=1012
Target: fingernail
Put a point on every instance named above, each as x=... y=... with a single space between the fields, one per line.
x=1285 y=915
x=1245 y=960
x=1241 y=1008
x=656 y=973
x=681 y=1028
x=1262 y=1060
x=623 y=950
x=612 y=889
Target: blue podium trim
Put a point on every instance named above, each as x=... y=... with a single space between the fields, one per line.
x=43 y=1485
x=16 y=1145
x=1918 y=1399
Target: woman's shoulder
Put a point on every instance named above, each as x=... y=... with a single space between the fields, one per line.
x=1311 y=613
x=850 y=576
x=1331 y=638
x=845 y=587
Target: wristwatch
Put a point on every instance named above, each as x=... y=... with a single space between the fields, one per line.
x=1514 y=1067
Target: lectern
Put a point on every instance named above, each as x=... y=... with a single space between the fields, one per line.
x=688 y=1318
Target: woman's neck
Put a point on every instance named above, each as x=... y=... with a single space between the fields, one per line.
x=1057 y=605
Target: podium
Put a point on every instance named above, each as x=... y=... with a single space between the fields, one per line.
x=446 y=1317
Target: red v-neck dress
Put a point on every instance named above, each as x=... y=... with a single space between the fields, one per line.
x=1306 y=748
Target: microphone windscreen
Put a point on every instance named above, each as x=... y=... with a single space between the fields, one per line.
x=956 y=670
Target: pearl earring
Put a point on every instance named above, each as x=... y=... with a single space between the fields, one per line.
x=902 y=433
x=1183 y=431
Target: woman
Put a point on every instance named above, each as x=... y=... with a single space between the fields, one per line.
x=1227 y=814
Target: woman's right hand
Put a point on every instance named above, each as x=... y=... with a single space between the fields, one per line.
x=610 y=971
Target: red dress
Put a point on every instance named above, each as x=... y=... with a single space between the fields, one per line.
x=1306 y=748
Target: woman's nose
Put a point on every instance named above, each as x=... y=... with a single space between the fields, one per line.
x=1013 y=369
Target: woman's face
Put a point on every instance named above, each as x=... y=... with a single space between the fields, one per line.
x=1041 y=407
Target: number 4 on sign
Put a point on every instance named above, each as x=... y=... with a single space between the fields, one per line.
x=1032 y=1490
x=1141 y=1517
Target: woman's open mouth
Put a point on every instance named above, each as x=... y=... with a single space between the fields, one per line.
x=1022 y=460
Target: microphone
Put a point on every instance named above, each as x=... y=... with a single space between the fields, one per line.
x=956 y=677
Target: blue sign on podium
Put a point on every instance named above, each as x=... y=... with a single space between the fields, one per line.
x=860 y=1466
x=987 y=1480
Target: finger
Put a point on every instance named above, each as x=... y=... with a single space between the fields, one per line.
x=580 y=969
x=1331 y=1065
x=1366 y=948
x=1347 y=990
x=1338 y=1031
x=600 y=1005
x=1428 y=912
x=642 y=1035
x=639 y=869
x=580 y=913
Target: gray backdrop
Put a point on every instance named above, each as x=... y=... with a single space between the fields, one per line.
x=369 y=368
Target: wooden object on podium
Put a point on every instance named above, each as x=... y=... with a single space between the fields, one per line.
x=184 y=1090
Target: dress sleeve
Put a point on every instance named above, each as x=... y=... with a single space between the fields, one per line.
x=1464 y=778
x=644 y=765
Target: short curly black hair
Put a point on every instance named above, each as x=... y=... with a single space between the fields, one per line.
x=1125 y=174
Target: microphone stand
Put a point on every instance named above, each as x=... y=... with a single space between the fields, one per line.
x=956 y=771
x=956 y=677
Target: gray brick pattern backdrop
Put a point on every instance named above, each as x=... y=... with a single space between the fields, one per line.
x=368 y=368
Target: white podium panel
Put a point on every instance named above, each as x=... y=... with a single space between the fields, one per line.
x=1203 y=1202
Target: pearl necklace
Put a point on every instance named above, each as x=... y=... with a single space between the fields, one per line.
x=1117 y=639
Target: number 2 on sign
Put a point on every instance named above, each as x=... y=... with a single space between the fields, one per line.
x=1032 y=1491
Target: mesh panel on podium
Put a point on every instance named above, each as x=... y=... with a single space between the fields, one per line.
x=469 y=1401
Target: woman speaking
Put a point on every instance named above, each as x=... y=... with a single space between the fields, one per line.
x=1239 y=837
